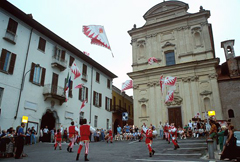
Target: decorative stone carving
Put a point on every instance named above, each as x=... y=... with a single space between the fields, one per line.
x=194 y=78
x=205 y=93
x=204 y=23
x=133 y=40
x=212 y=76
x=142 y=100
x=176 y=101
x=141 y=42
x=168 y=44
x=135 y=86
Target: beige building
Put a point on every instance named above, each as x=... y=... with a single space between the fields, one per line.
x=183 y=44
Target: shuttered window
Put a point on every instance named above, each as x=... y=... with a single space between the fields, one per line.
x=71 y=60
x=108 y=83
x=170 y=58
x=108 y=104
x=37 y=75
x=41 y=44
x=12 y=26
x=97 y=77
x=84 y=70
x=7 y=61
x=97 y=99
x=59 y=54
x=83 y=93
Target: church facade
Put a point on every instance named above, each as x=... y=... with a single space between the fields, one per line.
x=183 y=44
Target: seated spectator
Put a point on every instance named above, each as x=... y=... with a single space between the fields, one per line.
x=201 y=132
x=182 y=133
x=195 y=133
x=189 y=132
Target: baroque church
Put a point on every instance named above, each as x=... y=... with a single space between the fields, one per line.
x=183 y=44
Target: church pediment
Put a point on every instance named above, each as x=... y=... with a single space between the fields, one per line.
x=162 y=9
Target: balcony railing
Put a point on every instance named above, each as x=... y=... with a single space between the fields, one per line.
x=118 y=109
x=59 y=63
x=10 y=37
x=52 y=91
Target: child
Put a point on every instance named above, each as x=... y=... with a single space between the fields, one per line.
x=58 y=140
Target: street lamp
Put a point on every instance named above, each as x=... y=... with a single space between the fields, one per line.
x=22 y=85
x=23 y=80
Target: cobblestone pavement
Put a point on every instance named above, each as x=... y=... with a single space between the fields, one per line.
x=118 y=151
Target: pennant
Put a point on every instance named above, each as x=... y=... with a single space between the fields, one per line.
x=127 y=85
x=75 y=70
x=66 y=95
x=83 y=105
x=79 y=86
x=161 y=83
x=97 y=34
x=86 y=53
x=169 y=97
x=170 y=80
x=151 y=60
x=67 y=88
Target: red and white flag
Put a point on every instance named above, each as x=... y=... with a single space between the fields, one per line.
x=169 y=97
x=127 y=85
x=86 y=53
x=79 y=86
x=97 y=34
x=75 y=70
x=151 y=60
x=161 y=83
x=170 y=80
x=83 y=105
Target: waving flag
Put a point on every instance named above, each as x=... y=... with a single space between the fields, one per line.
x=161 y=83
x=75 y=70
x=86 y=53
x=97 y=34
x=79 y=86
x=170 y=80
x=127 y=85
x=68 y=81
x=169 y=97
x=82 y=106
x=151 y=60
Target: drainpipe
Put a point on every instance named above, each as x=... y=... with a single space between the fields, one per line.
x=23 y=75
x=91 y=97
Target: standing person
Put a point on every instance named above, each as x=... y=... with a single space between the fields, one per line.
x=41 y=135
x=213 y=130
x=33 y=133
x=160 y=130
x=143 y=131
x=221 y=137
x=85 y=133
x=65 y=135
x=166 y=132
x=110 y=135
x=53 y=131
x=58 y=139
x=148 y=141
x=20 y=145
x=28 y=137
x=174 y=136
x=45 y=134
x=102 y=134
x=72 y=133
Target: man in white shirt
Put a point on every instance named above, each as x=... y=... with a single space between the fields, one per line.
x=190 y=124
x=160 y=130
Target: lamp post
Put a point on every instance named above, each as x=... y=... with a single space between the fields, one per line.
x=22 y=85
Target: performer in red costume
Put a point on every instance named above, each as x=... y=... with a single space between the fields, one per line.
x=84 y=139
x=166 y=132
x=110 y=135
x=58 y=140
x=174 y=136
x=148 y=141
x=72 y=134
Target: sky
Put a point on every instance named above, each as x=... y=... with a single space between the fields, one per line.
x=66 y=18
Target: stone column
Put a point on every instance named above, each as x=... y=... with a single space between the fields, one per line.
x=151 y=105
x=195 y=100
x=187 y=98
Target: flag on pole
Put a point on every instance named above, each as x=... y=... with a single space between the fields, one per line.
x=83 y=105
x=151 y=60
x=169 y=97
x=67 y=88
x=170 y=80
x=66 y=82
x=97 y=34
x=86 y=53
x=127 y=85
x=79 y=86
x=75 y=70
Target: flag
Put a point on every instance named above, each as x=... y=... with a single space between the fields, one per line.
x=97 y=34
x=127 y=85
x=151 y=60
x=86 y=53
x=67 y=88
x=83 y=104
x=75 y=70
x=169 y=97
x=170 y=80
x=161 y=83
x=79 y=86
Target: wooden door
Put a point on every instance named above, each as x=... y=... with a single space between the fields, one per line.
x=175 y=116
x=54 y=83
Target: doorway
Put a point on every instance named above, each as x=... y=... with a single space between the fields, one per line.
x=175 y=116
x=48 y=120
x=116 y=123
